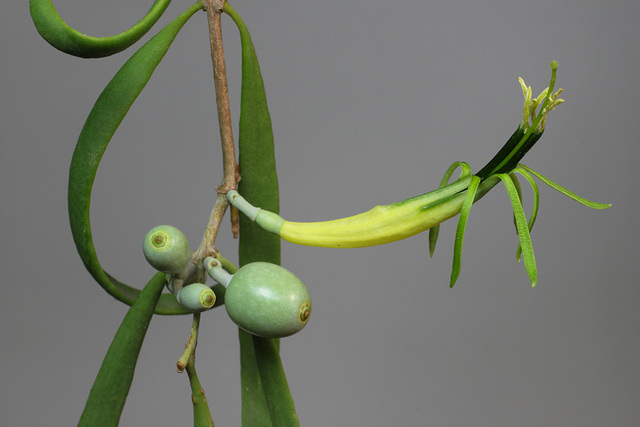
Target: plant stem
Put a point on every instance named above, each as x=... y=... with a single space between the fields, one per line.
x=230 y=165
x=201 y=411
x=214 y=10
x=192 y=342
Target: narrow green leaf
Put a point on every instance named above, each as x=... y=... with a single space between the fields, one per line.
x=274 y=383
x=434 y=232
x=522 y=227
x=536 y=203
x=111 y=386
x=108 y=112
x=516 y=184
x=255 y=411
x=259 y=185
x=462 y=225
x=571 y=195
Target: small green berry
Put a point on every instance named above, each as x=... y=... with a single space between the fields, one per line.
x=267 y=300
x=166 y=248
x=197 y=297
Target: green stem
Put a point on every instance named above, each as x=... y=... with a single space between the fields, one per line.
x=192 y=342
x=201 y=411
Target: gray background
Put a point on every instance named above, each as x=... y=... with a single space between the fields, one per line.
x=371 y=101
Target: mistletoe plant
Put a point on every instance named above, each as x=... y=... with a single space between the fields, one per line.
x=265 y=300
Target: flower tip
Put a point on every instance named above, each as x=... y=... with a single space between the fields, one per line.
x=553 y=65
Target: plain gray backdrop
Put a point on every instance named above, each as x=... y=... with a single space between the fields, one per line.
x=371 y=101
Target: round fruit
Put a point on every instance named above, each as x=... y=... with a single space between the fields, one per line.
x=166 y=248
x=197 y=297
x=267 y=300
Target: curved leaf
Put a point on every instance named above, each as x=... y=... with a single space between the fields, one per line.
x=522 y=227
x=561 y=189
x=462 y=225
x=58 y=34
x=105 y=117
x=434 y=231
x=536 y=202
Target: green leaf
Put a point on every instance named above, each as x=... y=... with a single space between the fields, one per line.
x=259 y=185
x=108 y=112
x=274 y=383
x=259 y=181
x=434 y=231
x=536 y=202
x=522 y=227
x=255 y=411
x=111 y=386
x=68 y=40
x=462 y=225
x=571 y=195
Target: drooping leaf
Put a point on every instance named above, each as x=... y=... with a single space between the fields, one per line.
x=434 y=231
x=523 y=229
x=536 y=203
x=462 y=225
x=108 y=112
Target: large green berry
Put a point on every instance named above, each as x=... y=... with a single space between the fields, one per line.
x=267 y=300
x=166 y=248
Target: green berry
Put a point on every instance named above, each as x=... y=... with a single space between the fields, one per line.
x=166 y=248
x=197 y=297
x=267 y=300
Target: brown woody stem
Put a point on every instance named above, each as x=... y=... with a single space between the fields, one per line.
x=230 y=179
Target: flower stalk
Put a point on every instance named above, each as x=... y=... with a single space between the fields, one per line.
x=389 y=223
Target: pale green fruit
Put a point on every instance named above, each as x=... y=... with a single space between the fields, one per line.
x=166 y=248
x=197 y=297
x=267 y=300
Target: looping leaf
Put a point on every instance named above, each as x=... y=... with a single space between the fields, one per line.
x=108 y=112
x=58 y=34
